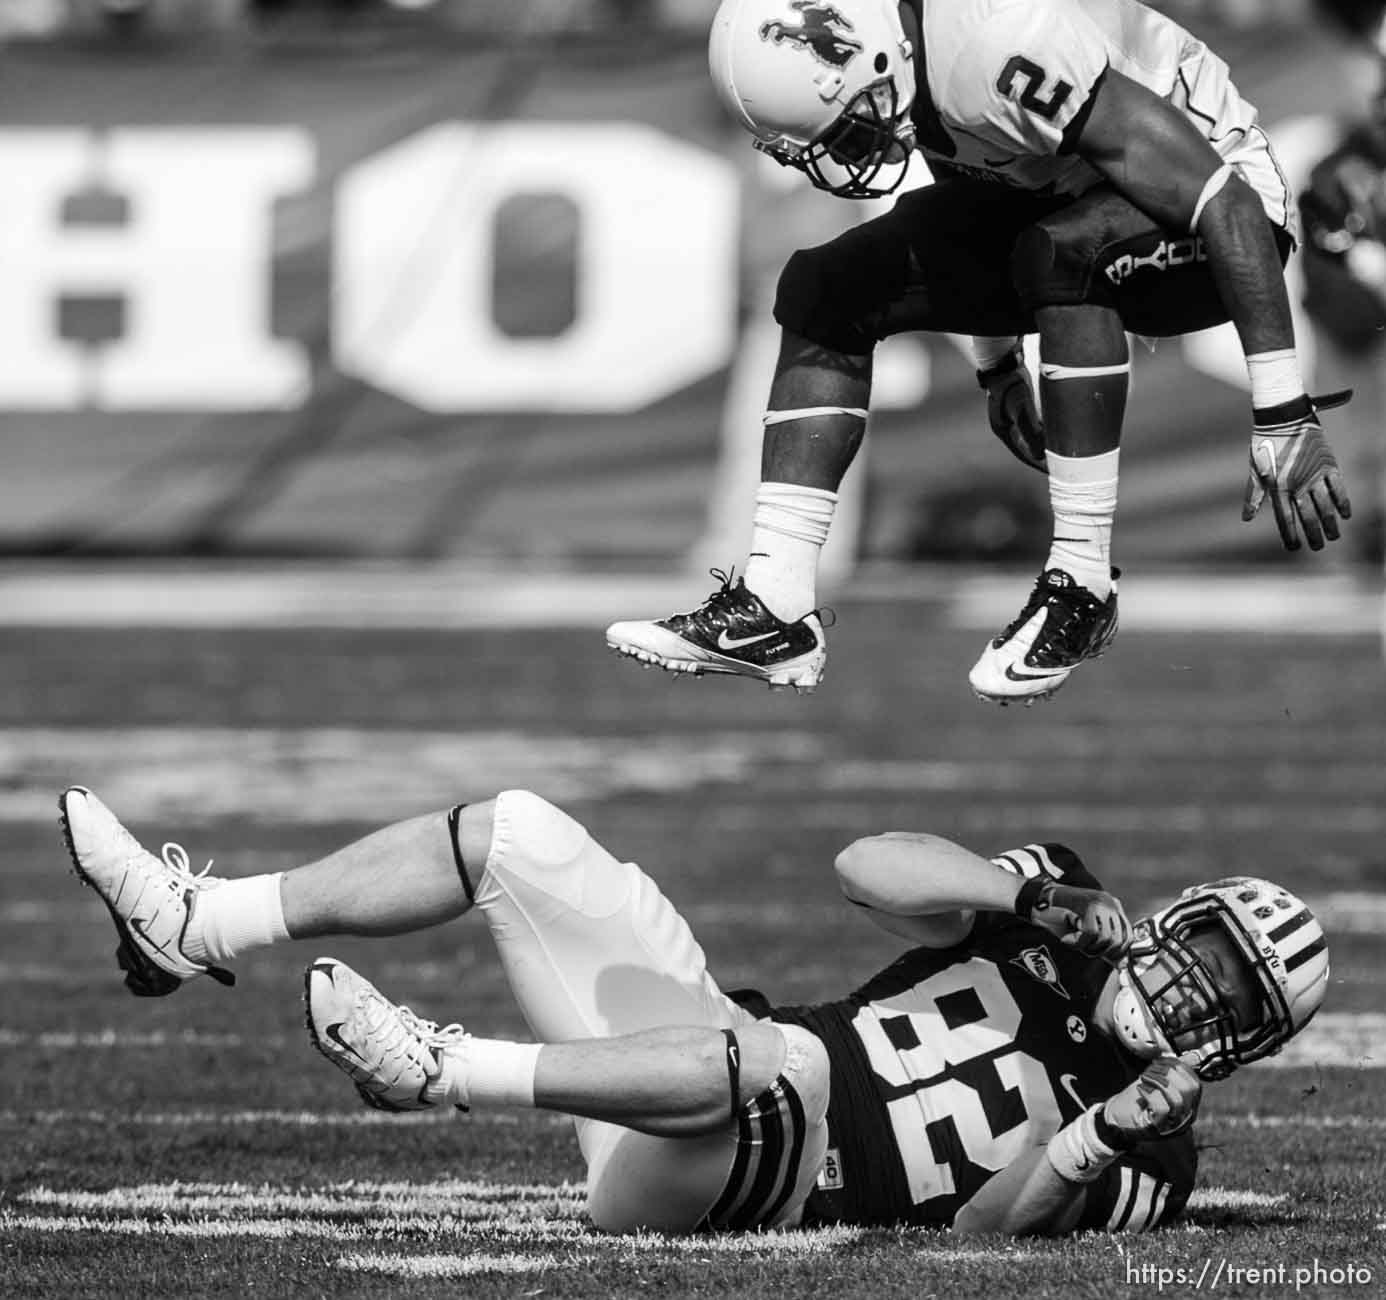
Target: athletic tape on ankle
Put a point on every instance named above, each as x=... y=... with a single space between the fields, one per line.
x=1211 y=186
x=811 y=413
x=1076 y=1153
x=1049 y=371
x=802 y=513
x=733 y=1071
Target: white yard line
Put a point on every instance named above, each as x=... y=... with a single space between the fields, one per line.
x=296 y=776
x=454 y=597
x=1233 y=1198
x=254 y=1118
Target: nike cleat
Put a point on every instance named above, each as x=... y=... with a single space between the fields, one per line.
x=1061 y=625
x=731 y=632
x=392 y=1056
x=150 y=899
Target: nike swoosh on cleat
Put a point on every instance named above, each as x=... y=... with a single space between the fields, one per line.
x=334 y=1032
x=137 y=924
x=725 y=642
x=1041 y=676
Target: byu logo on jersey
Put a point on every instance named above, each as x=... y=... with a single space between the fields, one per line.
x=821 y=33
x=1037 y=962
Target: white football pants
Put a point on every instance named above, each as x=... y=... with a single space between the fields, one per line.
x=592 y=948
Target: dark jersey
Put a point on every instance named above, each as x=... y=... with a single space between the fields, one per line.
x=952 y=1063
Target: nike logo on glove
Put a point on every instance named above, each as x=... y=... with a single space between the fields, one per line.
x=725 y=642
x=1264 y=457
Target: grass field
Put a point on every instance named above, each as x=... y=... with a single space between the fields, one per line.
x=196 y=1146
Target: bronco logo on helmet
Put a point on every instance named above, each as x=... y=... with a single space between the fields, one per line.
x=819 y=35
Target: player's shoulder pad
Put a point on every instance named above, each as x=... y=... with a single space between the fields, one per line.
x=1018 y=70
x=1057 y=861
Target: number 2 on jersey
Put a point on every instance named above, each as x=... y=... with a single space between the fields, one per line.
x=1035 y=77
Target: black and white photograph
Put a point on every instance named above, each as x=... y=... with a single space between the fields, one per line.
x=692 y=648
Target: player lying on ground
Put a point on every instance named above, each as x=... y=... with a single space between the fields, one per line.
x=1096 y=173
x=1003 y=1075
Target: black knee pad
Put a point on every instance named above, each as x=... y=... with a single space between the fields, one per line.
x=821 y=299
x=1055 y=264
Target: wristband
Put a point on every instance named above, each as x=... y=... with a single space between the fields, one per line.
x=1108 y=1133
x=1076 y=1153
x=1029 y=895
x=1003 y=367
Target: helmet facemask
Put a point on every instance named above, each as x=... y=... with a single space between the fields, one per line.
x=870 y=141
x=1171 y=979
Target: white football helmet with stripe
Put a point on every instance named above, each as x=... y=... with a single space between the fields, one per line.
x=825 y=86
x=1166 y=1001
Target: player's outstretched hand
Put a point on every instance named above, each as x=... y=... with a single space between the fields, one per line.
x=1012 y=411
x=1090 y=920
x=1160 y=1102
x=1292 y=463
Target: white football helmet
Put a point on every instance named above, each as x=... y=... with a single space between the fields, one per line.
x=824 y=85
x=1166 y=1002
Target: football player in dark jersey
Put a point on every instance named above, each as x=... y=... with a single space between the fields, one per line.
x=1096 y=173
x=1032 y=1063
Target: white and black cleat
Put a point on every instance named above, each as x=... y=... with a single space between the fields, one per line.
x=1061 y=625
x=392 y=1055
x=731 y=632
x=150 y=898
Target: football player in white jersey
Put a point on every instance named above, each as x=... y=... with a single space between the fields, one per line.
x=1096 y=173
x=1027 y=1065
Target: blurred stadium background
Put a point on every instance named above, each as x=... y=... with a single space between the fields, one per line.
x=360 y=362
x=490 y=281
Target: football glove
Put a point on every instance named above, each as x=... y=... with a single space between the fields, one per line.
x=1292 y=462
x=1087 y=919
x=1160 y=1102
x=1012 y=412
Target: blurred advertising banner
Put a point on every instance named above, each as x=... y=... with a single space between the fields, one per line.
x=508 y=302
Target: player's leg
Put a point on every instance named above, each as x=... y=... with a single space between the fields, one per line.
x=592 y=949
x=1090 y=271
x=937 y=261
x=175 y=925
x=683 y=1127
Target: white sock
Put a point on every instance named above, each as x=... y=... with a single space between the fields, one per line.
x=234 y=917
x=1083 y=496
x=487 y=1072
x=791 y=525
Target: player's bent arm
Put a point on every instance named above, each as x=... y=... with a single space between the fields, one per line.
x=1026 y=1198
x=1045 y=1190
x=922 y=887
x=1156 y=157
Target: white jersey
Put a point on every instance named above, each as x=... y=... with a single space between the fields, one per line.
x=1009 y=77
